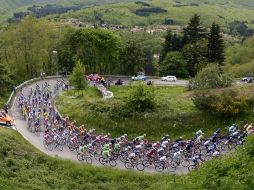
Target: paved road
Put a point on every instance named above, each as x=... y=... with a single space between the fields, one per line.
x=157 y=82
x=36 y=141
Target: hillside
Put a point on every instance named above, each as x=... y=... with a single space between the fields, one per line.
x=147 y=12
x=24 y=167
x=169 y=12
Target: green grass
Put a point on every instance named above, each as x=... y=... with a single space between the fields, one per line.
x=22 y=167
x=123 y=13
x=175 y=114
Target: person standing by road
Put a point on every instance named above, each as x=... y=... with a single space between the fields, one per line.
x=6 y=108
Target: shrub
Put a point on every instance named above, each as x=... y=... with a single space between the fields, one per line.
x=116 y=109
x=226 y=104
x=141 y=98
x=210 y=77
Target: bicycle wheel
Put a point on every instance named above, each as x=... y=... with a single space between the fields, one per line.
x=123 y=157
x=140 y=166
x=112 y=163
x=89 y=160
x=50 y=146
x=60 y=147
x=174 y=164
x=128 y=165
x=185 y=163
x=160 y=167
x=80 y=157
x=171 y=169
x=146 y=163
x=103 y=161
x=192 y=167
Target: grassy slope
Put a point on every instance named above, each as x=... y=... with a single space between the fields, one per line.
x=123 y=13
x=175 y=114
x=22 y=167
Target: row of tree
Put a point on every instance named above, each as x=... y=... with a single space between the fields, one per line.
x=35 y=45
x=184 y=55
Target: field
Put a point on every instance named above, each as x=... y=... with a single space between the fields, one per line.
x=175 y=114
x=123 y=13
x=23 y=167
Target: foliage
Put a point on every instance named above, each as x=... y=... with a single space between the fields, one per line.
x=194 y=30
x=239 y=58
x=215 y=45
x=26 y=48
x=197 y=47
x=131 y=59
x=5 y=78
x=228 y=103
x=172 y=42
x=150 y=10
x=77 y=78
x=97 y=49
x=195 y=54
x=141 y=98
x=210 y=77
x=240 y=28
x=174 y=64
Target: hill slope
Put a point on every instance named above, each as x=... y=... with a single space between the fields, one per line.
x=131 y=13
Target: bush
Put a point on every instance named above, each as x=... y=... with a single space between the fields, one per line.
x=210 y=77
x=226 y=104
x=141 y=98
x=116 y=109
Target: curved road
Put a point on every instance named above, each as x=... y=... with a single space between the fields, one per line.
x=36 y=141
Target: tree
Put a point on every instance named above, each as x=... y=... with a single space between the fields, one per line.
x=194 y=31
x=97 y=49
x=132 y=59
x=215 y=45
x=174 y=64
x=195 y=54
x=27 y=47
x=172 y=43
x=5 y=78
x=77 y=78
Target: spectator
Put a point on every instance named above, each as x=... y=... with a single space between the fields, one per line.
x=14 y=89
x=6 y=108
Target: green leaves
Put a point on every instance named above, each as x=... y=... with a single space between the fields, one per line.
x=141 y=98
x=77 y=78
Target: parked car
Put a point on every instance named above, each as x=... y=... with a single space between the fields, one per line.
x=248 y=79
x=94 y=77
x=5 y=119
x=140 y=76
x=169 y=79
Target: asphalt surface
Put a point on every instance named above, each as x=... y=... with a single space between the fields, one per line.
x=37 y=141
x=157 y=82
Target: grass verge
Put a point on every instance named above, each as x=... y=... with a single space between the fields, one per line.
x=175 y=114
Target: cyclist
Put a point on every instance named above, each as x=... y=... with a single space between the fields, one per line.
x=106 y=151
